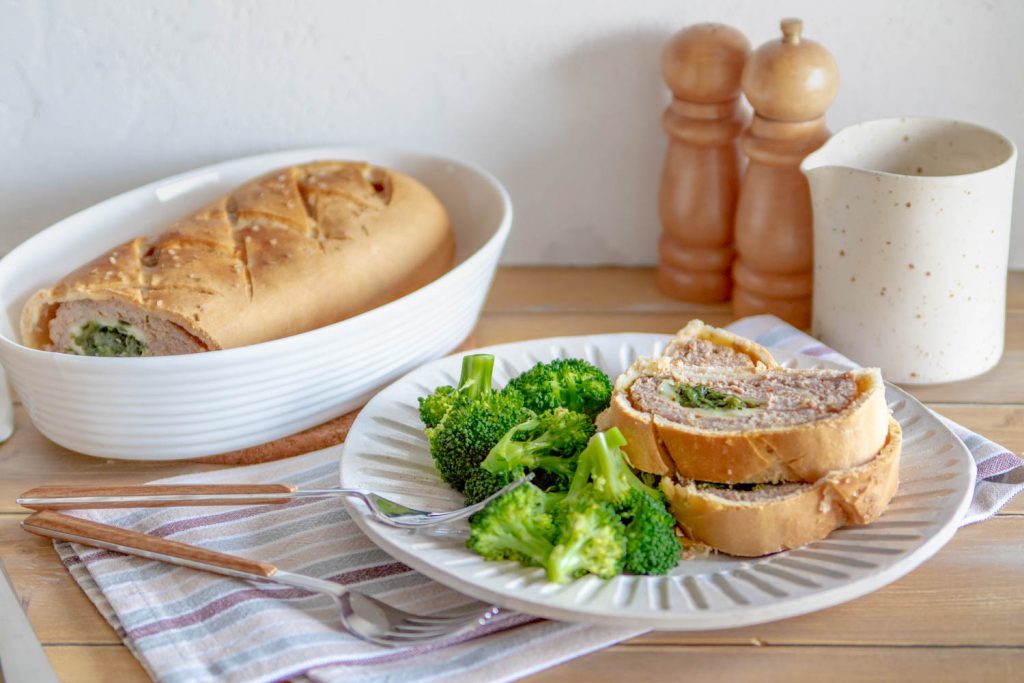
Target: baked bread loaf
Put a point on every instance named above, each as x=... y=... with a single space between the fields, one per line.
x=294 y=250
x=702 y=345
x=730 y=425
x=769 y=518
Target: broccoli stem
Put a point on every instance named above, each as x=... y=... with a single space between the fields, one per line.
x=525 y=541
x=476 y=374
x=509 y=456
x=565 y=561
x=603 y=462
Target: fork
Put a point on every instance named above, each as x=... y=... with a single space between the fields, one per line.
x=363 y=616
x=383 y=509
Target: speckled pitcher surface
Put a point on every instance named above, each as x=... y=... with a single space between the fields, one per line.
x=911 y=241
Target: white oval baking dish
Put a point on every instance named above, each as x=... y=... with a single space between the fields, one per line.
x=179 y=407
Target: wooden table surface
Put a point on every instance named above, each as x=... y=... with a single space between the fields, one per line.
x=960 y=616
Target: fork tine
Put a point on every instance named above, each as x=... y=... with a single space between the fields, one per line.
x=408 y=628
x=475 y=611
x=431 y=518
x=397 y=639
x=434 y=622
x=414 y=637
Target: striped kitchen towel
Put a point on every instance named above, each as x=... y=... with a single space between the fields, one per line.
x=185 y=625
x=1000 y=471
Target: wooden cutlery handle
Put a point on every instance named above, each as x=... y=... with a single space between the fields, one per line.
x=86 y=532
x=58 y=492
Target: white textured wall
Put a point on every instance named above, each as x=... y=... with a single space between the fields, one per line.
x=560 y=99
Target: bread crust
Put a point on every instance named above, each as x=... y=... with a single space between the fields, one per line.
x=698 y=329
x=291 y=251
x=803 y=452
x=858 y=495
x=646 y=451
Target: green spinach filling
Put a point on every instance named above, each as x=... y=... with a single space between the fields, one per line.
x=96 y=339
x=703 y=396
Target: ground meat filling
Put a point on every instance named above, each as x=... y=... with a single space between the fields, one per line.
x=782 y=399
x=753 y=494
x=702 y=353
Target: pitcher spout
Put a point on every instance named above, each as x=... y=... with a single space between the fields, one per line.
x=819 y=162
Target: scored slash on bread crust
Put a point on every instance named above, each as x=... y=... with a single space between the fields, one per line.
x=291 y=251
x=773 y=518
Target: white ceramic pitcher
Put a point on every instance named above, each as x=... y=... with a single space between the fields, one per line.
x=911 y=241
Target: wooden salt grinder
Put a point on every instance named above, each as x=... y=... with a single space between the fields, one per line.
x=700 y=180
x=790 y=83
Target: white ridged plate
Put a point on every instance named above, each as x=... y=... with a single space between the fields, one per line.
x=386 y=452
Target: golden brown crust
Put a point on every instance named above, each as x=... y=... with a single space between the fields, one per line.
x=801 y=452
x=698 y=329
x=857 y=495
x=288 y=252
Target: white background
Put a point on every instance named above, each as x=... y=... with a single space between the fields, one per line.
x=561 y=99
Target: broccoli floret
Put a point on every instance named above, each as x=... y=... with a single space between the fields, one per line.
x=590 y=540
x=434 y=407
x=482 y=484
x=461 y=441
x=546 y=442
x=514 y=527
x=474 y=381
x=652 y=546
x=565 y=383
x=603 y=472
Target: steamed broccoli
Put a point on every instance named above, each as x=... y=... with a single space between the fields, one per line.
x=515 y=526
x=474 y=381
x=590 y=540
x=482 y=483
x=564 y=383
x=435 y=406
x=546 y=442
x=652 y=546
x=603 y=472
x=461 y=441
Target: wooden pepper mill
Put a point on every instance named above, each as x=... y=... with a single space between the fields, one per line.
x=790 y=83
x=700 y=180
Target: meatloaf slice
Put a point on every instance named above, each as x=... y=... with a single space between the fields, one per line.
x=774 y=517
x=701 y=345
x=754 y=426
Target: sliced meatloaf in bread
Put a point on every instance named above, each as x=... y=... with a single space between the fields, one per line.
x=733 y=425
x=291 y=251
x=772 y=517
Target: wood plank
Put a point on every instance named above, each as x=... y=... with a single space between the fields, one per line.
x=498 y=328
x=57 y=609
x=971 y=577
x=971 y=593
x=89 y=664
x=539 y=289
x=737 y=664
x=694 y=663
x=1003 y=384
x=533 y=288
x=1015 y=291
x=1003 y=424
